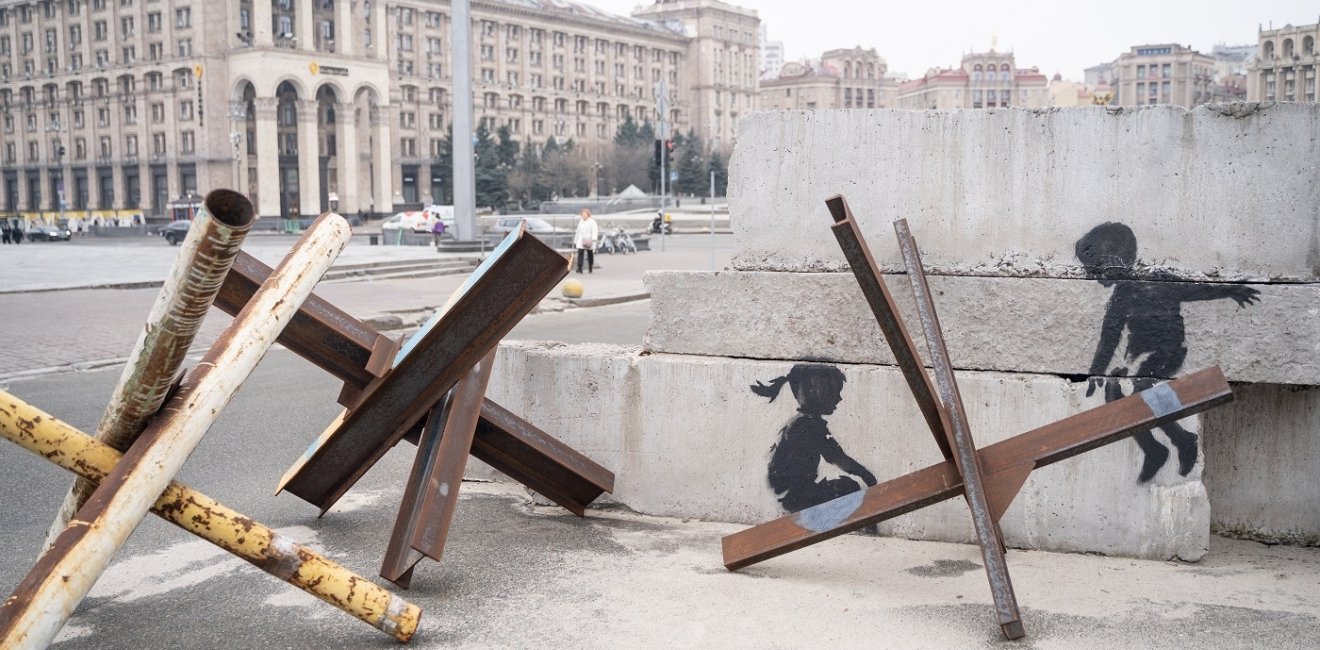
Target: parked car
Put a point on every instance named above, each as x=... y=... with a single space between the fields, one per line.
x=175 y=231
x=422 y=221
x=535 y=226
x=49 y=233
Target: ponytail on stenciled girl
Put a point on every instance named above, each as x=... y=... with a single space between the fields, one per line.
x=770 y=390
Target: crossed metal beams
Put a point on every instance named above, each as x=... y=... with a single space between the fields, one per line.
x=394 y=396
x=989 y=478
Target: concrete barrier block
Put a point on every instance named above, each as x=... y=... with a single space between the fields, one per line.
x=688 y=437
x=1221 y=192
x=1038 y=325
x=1263 y=464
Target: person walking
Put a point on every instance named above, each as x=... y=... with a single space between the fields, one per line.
x=585 y=241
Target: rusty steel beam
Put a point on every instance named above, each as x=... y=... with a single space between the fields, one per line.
x=204 y=259
x=422 y=526
x=882 y=304
x=260 y=545
x=984 y=522
x=343 y=345
x=320 y=332
x=1034 y=449
x=538 y=460
x=497 y=295
x=47 y=596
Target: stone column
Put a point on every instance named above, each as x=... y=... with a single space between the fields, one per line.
x=382 y=159
x=262 y=18
x=309 y=157
x=424 y=182
x=238 y=166
x=48 y=201
x=121 y=192
x=347 y=156
x=303 y=25
x=23 y=198
x=379 y=35
x=268 y=163
x=147 y=201
x=344 y=35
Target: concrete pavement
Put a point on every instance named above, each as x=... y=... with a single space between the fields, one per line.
x=43 y=331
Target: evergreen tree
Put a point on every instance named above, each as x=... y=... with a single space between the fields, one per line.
x=442 y=166
x=627 y=134
x=507 y=149
x=721 y=174
x=691 y=167
x=492 y=189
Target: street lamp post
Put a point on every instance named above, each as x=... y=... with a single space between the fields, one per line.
x=236 y=139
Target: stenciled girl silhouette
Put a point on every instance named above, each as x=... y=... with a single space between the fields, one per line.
x=806 y=439
x=1151 y=312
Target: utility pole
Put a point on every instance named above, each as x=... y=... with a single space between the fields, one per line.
x=662 y=122
x=465 y=183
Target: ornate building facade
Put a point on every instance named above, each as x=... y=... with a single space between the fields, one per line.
x=842 y=78
x=1285 y=65
x=983 y=80
x=124 y=106
x=1164 y=73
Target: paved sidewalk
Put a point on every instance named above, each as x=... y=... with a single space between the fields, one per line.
x=82 y=328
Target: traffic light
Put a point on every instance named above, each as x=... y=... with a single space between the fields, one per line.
x=664 y=152
x=659 y=149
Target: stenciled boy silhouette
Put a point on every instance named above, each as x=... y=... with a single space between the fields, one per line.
x=806 y=439
x=1151 y=312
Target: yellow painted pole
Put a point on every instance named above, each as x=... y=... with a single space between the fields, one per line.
x=46 y=597
x=60 y=443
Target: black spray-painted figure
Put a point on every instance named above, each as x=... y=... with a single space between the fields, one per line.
x=806 y=440
x=1151 y=312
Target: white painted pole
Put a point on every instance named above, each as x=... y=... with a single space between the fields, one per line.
x=200 y=268
x=47 y=596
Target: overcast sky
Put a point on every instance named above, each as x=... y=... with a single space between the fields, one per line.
x=1055 y=36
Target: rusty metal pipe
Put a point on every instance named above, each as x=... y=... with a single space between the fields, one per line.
x=204 y=260
x=47 y=596
x=67 y=447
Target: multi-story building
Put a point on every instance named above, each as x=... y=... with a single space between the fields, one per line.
x=1067 y=94
x=1164 y=73
x=1285 y=67
x=843 y=78
x=772 y=54
x=984 y=80
x=1096 y=75
x=124 y=106
x=723 y=62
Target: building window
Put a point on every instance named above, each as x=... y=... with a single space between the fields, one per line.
x=158 y=144
x=106 y=148
x=183 y=17
x=185 y=47
x=186 y=142
x=185 y=111
x=157 y=113
x=130 y=146
x=130 y=114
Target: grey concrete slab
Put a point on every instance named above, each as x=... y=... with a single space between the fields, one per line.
x=1038 y=325
x=1220 y=191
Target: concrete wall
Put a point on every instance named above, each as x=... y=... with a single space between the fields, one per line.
x=1221 y=192
x=1263 y=464
x=1225 y=210
x=687 y=437
x=1035 y=325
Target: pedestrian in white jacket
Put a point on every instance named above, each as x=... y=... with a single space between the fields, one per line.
x=585 y=241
